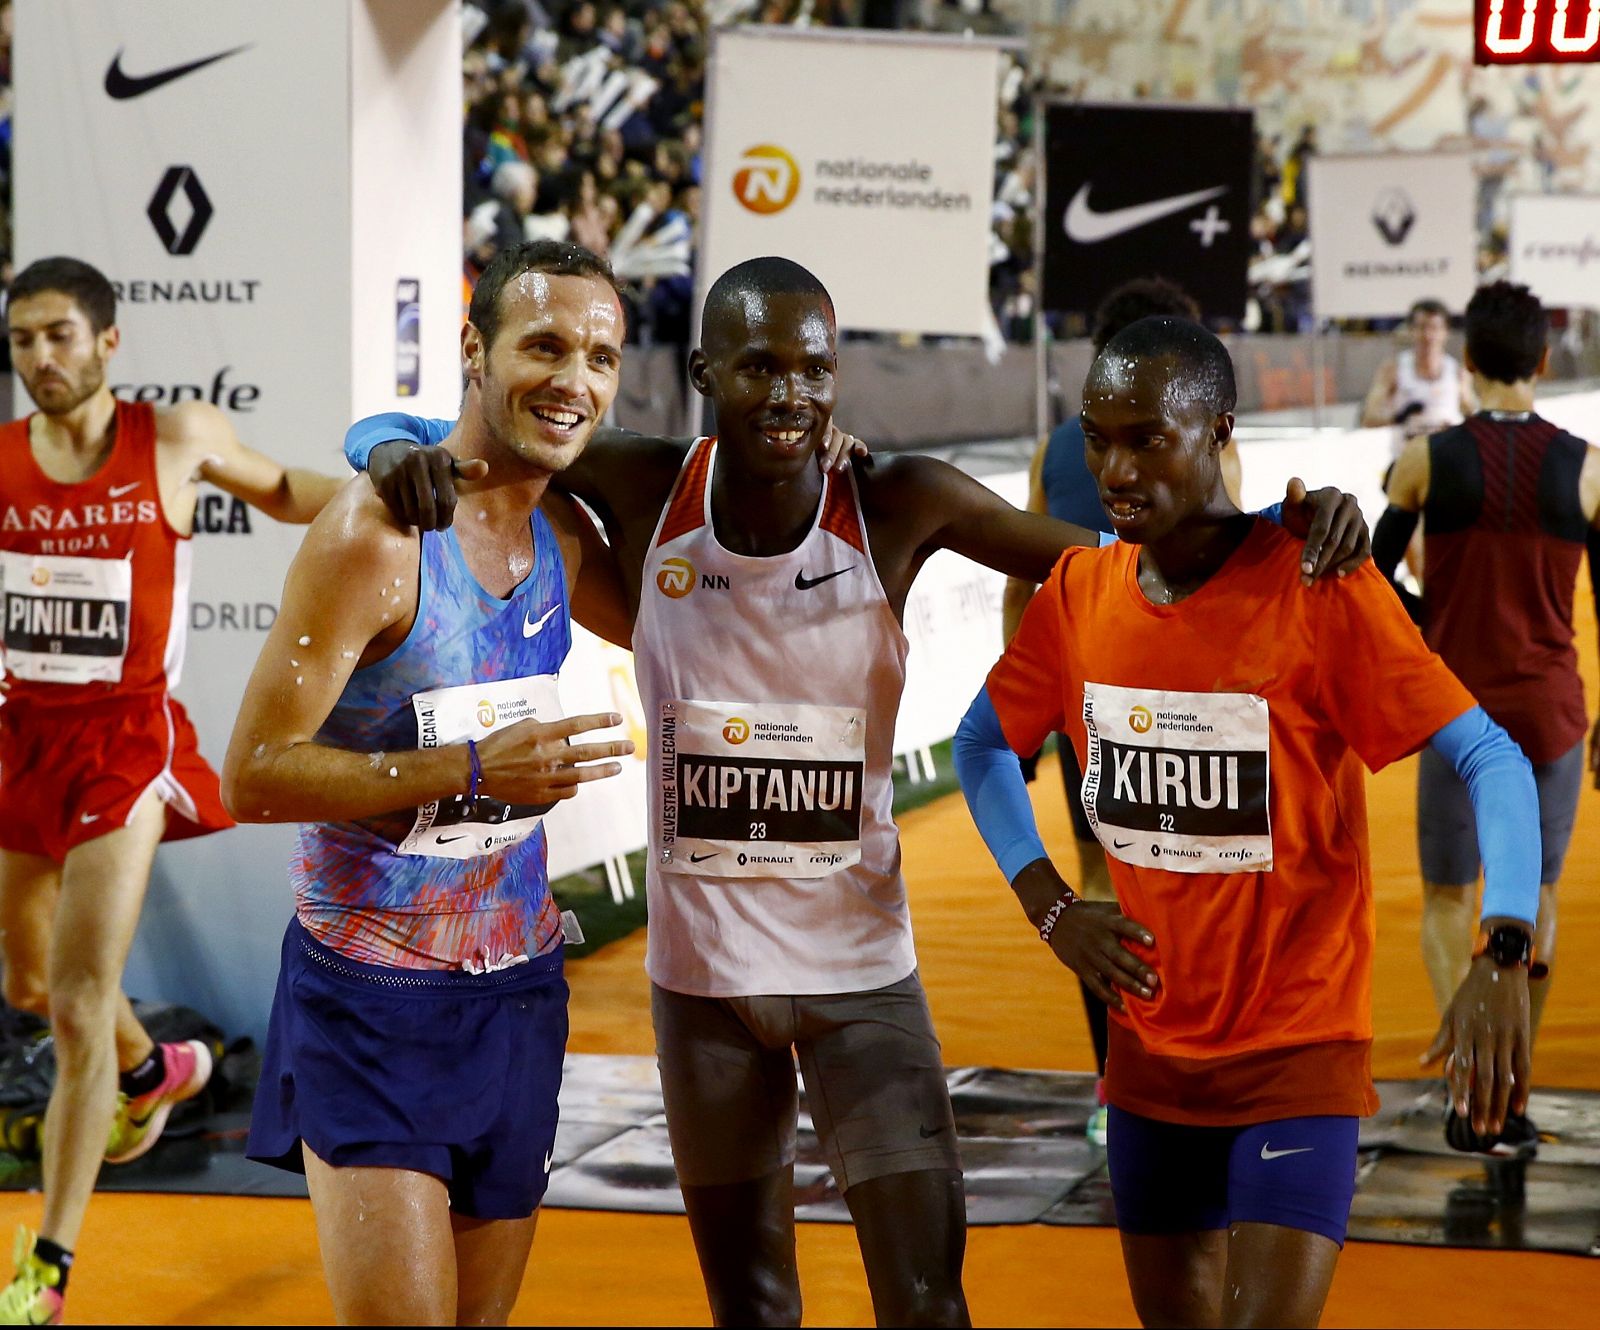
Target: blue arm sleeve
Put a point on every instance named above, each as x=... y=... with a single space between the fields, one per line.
x=1506 y=803
x=365 y=435
x=991 y=780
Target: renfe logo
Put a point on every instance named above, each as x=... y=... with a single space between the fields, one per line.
x=766 y=180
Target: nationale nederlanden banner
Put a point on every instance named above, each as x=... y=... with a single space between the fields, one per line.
x=869 y=161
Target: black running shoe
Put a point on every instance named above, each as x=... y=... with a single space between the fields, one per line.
x=1518 y=1139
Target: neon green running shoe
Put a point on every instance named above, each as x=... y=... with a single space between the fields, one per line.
x=31 y=1297
x=139 y=1122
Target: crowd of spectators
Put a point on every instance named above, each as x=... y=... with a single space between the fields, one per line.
x=584 y=122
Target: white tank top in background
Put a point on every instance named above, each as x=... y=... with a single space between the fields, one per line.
x=771 y=687
x=1440 y=397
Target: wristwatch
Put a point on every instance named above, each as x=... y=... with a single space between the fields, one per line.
x=1506 y=946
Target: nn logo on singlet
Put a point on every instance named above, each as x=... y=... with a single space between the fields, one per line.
x=678 y=578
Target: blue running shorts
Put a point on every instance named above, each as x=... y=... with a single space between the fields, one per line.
x=436 y=1071
x=1169 y=1178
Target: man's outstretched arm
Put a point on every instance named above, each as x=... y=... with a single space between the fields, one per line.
x=284 y=493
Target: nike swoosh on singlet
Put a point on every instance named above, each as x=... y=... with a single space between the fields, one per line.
x=120 y=86
x=1088 y=227
x=804 y=583
x=1268 y=1153
x=117 y=491
x=530 y=629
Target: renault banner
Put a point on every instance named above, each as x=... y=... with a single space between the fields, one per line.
x=1389 y=230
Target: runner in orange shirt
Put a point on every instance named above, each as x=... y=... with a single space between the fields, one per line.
x=1222 y=715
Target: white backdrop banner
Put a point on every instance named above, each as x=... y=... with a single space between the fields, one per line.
x=1555 y=248
x=1389 y=230
x=870 y=161
x=274 y=189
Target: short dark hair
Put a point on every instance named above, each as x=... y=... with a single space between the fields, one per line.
x=554 y=257
x=1429 y=307
x=1202 y=360
x=1506 y=331
x=1139 y=299
x=766 y=276
x=85 y=283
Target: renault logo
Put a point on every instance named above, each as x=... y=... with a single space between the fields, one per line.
x=175 y=238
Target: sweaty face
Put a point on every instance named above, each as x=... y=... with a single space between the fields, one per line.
x=1148 y=442
x=768 y=367
x=553 y=369
x=57 y=354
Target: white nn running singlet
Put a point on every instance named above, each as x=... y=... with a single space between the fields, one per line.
x=1440 y=397
x=771 y=686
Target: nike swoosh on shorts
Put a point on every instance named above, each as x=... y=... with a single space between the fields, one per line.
x=121 y=86
x=1089 y=227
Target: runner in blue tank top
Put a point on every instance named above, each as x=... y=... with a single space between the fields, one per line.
x=404 y=712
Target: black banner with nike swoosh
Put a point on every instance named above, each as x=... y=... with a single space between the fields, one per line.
x=1140 y=191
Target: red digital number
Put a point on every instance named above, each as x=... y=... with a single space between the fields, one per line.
x=1527 y=32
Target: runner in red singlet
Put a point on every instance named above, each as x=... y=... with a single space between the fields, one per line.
x=98 y=763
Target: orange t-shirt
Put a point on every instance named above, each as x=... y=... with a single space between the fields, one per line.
x=1222 y=740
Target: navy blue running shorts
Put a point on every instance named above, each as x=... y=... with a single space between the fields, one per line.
x=436 y=1071
x=1170 y=1178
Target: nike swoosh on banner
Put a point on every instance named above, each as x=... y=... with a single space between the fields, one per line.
x=1088 y=227
x=531 y=629
x=804 y=583
x=120 y=86
x=1268 y=1153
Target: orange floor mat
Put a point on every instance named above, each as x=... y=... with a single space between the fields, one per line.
x=998 y=998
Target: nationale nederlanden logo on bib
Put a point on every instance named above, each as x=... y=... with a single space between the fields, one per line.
x=766 y=180
x=1179 y=781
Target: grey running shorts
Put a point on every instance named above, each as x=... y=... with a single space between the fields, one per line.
x=873 y=1074
x=1447 y=831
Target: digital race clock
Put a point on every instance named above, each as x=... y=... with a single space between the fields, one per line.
x=1536 y=32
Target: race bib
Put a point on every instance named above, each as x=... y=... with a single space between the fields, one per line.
x=1179 y=781
x=759 y=789
x=459 y=827
x=66 y=617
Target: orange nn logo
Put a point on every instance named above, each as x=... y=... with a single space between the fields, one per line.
x=676 y=578
x=767 y=179
x=1140 y=720
x=737 y=730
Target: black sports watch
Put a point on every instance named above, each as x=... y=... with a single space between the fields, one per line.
x=1507 y=946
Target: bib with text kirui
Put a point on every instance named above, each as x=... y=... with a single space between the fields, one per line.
x=1179 y=781
x=66 y=617
x=759 y=789
x=459 y=827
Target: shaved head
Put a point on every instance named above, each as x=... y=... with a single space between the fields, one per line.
x=1198 y=369
x=735 y=298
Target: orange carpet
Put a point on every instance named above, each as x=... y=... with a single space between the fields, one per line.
x=999 y=998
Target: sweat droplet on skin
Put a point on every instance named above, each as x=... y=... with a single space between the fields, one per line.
x=376 y=760
x=394 y=772
x=305 y=641
x=299 y=679
x=348 y=655
x=483 y=517
x=294 y=662
x=397 y=581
